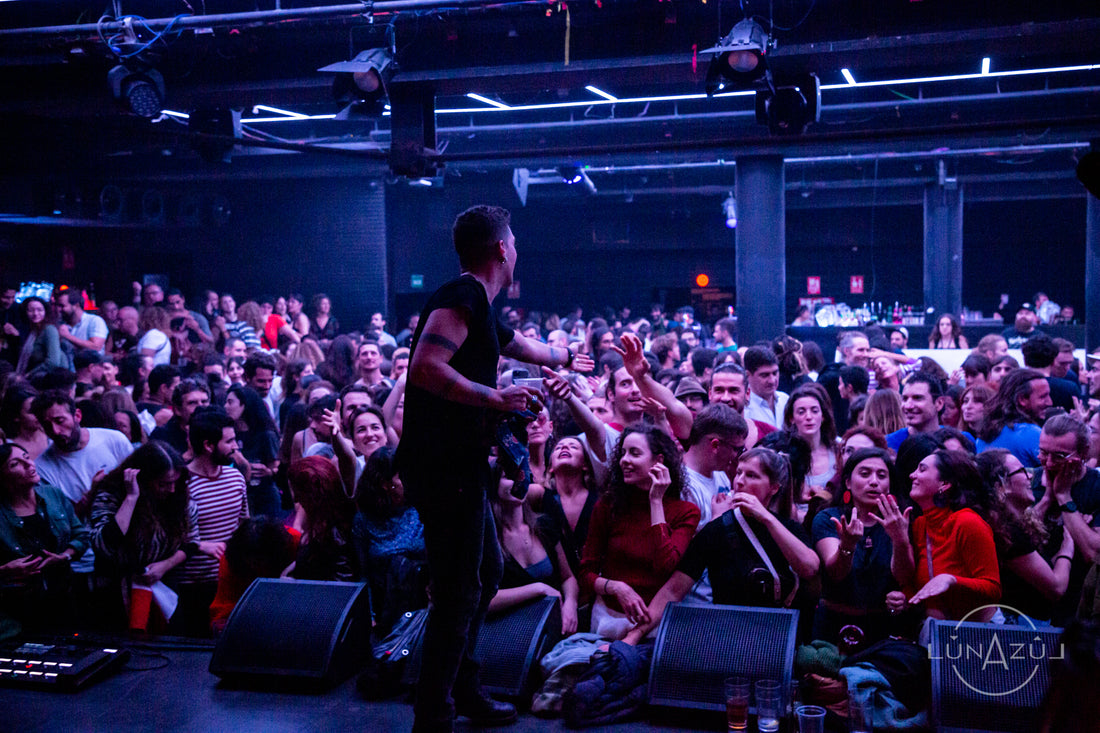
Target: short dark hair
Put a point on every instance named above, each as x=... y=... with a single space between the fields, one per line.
x=718 y=419
x=74 y=297
x=475 y=232
x=258 y=360
x=45 y=400
x=701 y=358
x=1039 y=352
x=186 y=387
x=728 y=324
x=935 y=386
x=207 y=426
x=758 y=357
x=856 y=377
x=976 y=364
x=161 y=375
x=84 y=358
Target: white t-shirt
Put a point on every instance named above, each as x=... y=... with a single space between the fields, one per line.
x=73 y=472
x=162 y=347
x=700 y=489
x=600 y=469
x=90 y=326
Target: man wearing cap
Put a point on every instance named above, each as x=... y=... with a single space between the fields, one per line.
x=1024 y=328
x=88 y=365
x=766 y=403
x=899 y=338
x=692 y=394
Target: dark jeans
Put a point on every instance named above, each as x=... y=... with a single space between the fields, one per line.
x=464 y=570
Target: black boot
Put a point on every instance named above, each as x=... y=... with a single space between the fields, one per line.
x=483 y=710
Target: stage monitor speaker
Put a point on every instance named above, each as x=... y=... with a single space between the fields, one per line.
x=990 y=677
x=512 y=642
x=302 y=630
x=699 y=646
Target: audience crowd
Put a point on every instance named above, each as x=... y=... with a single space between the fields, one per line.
x=149 y=444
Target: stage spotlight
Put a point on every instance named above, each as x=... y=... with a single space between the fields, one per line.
x=139 y=90
x=729 y=208
x=572 y=174
x=738 y=58
x=790 y=109
x=363 y=81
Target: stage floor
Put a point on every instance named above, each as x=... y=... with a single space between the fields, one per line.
x=170 y=691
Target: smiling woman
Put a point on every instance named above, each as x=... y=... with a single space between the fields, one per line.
x=860 y=539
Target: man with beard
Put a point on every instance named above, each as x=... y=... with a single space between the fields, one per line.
x=219 y=492
x=75 y=463
x=1024 y=328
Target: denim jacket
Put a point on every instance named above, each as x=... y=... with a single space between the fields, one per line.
x=58 y=511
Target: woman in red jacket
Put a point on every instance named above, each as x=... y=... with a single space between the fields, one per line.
x=638 y=532
x=955 y=569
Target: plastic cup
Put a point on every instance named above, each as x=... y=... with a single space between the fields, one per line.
x=768 y=705
x=737 y=703
x=861 y=711
x=811 y=719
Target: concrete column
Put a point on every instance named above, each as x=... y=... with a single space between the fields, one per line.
x=943 y=242
x=761 y=248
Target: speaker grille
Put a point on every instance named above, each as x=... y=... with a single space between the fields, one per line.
x=698 y=647
x=287 y=627
x=511 y=642
x=989 y=676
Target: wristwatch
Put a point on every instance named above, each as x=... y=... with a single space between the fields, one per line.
x=1069 y=507
x=569 y=362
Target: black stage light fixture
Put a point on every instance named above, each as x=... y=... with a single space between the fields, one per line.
x=791 y=108
x=140 y=90
x=739 y=58
x=363 y=82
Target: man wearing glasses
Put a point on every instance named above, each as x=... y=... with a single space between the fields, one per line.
x=1068 y=489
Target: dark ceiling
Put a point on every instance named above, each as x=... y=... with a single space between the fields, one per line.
x=1007 y=136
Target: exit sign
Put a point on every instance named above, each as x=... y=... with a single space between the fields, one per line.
x=416 y=281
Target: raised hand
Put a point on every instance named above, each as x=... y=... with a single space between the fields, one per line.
x=583 y=363
x=130 y=476
x=633 y=357
x=892 y=519
x=749 y=504
x=556 y=384
x=850 y=531
x=660 y=479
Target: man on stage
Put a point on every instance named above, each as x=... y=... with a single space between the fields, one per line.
x=451 y=409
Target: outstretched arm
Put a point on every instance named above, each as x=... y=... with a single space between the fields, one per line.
x=536 y=352
x=676 y=412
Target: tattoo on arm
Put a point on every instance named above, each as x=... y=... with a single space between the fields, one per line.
x=442 y=341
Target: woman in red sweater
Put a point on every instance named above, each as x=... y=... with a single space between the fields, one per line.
x=638 y=532
x=955 y=559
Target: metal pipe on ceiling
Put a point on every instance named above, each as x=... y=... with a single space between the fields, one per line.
x=316 y=12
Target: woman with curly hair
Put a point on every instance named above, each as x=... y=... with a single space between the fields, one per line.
x=809 y=415
x=639 y=530
x=42 y=345
x=754 y=554
x=324 y=514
